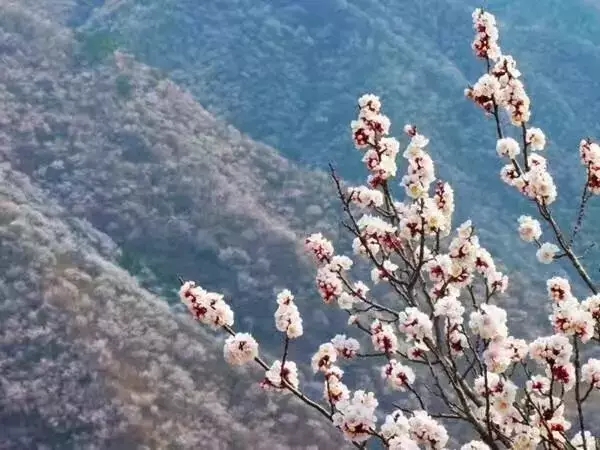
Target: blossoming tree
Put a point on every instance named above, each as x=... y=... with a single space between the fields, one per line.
x=445 y=324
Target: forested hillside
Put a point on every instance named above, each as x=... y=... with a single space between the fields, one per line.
x=91 y=360
x=130 y=147
x=289 y=72
x=117 y=166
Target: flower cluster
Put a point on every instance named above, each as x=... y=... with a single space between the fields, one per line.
x=369 y=132
x=324 y=358
x=420 y=172
x=426 y=431
x=429 y=216
x=240 y=349
x=549 y=417
x=501 y=87
x=489 y=322
x=500 y=393
x=535 y=139
x=470 y=258
x=277 y=375
x=538 y=183
x=444 y=200
x=508 y=147
x=383 y=273
x=530 y=229
x=511 y=95
x=592 y=304
x=358 y=292
x=547 y=252
x=356 y=417
x=570 y=318
x=397 y=375
x=334 y=390
x=590 y=157
x=287 y=316
x=321 y=248
x=484 y=92
x=365 y=197
x=397 y=430
x=578 y=442
x=383 y=337
x=346 y=347
x=558 y=289
x=207 y=307
x=330 y=279
x=498 y=357
x=552 y=350
x=590 y=372
x=485 y=44
x=376 y=236
x=539 y=385
x=415 y=324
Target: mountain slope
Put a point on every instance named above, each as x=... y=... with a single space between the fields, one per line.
x=91 y=360
x=289 y=72
x=180 y=193
x=117 y=166
x=135 y=155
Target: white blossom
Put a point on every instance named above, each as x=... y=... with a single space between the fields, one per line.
x=547 y=252
x=240 y=349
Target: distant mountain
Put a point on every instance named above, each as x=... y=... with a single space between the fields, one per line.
x=288 y=73
x=112 y=166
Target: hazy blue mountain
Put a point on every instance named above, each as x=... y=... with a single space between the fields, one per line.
x=288 y=73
